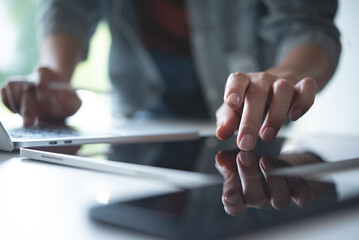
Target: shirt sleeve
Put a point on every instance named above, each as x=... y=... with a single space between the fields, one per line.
x=78 y=18
x=288 y=24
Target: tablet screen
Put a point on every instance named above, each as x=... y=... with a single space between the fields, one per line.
x=248 y=199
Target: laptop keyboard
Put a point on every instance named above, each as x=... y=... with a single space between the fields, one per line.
x=42 y=132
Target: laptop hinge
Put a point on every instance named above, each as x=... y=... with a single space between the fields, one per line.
x=5 y=141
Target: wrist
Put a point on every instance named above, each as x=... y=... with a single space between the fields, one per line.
x=57 y=73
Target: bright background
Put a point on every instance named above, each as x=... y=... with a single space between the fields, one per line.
x=19 y=52
x=336 y=107
x=335 y=110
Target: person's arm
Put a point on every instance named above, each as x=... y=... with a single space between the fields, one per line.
x=39 y=99
x=61 y=53
x=289 y=89
x=306 y=61
x=65 y=29
x=308 y=55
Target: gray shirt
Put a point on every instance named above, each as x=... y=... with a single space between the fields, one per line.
x=226 y=36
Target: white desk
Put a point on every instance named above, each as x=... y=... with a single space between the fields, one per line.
x=44 y=201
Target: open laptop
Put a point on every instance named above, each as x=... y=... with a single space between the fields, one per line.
x=11 y=139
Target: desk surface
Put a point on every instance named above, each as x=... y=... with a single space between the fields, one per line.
x=45 y=201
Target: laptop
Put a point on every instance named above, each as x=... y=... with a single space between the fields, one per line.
x=52 y=135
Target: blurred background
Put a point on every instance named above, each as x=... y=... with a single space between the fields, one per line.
x=334 y=112
x=19 y=47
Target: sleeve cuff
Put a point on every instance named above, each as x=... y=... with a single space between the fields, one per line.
x=318 y=38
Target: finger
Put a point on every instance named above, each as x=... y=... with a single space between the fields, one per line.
x=227 y=122
x=232 y=195
x=70 y=107
x=236 y=86
x=12 y=94
x=226 y=162
x=256 y=98
x=3 y=97
x=43 y=78
x=28 y=107
x=277 y=185
x=232 y=198
x=7 y=99
x=253 y=191
x=304 y=94
x=301 y=192
x=53 y=109
x=282 y=94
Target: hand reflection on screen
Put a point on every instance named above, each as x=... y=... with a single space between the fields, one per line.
x=248 y=184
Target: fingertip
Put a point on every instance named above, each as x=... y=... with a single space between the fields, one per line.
x=223 y=158
x=295 y=115
x=247 y=159
x=235 y=89
x=29 y=121
x=28 y=107
x=225 y=131
x=219 y=132
x=246 y=142
x=268 y=133
x=43 y=77
x=233 y=100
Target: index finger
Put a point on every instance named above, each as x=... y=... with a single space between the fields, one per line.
x=29 y=107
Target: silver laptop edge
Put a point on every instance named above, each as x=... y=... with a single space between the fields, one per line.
x=5 y=141
x=9 y=144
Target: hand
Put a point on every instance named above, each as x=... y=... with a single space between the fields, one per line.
x=245 y=100
x=248 y=184
x=40 y=99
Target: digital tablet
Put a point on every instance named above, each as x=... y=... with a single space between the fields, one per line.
x=200 y=214
x=248 y=199
x=182 y=161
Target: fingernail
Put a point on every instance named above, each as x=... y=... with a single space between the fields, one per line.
x=247 y=142
x=295 y=115
x=267 y=163
x=268 y=133
x=247 y=159
x=231 y=199
x=233 y=98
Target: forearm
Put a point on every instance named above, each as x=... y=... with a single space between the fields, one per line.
x=305 y=61
x=61 y=53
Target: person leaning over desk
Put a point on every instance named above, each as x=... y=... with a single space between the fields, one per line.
x=177 y=57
